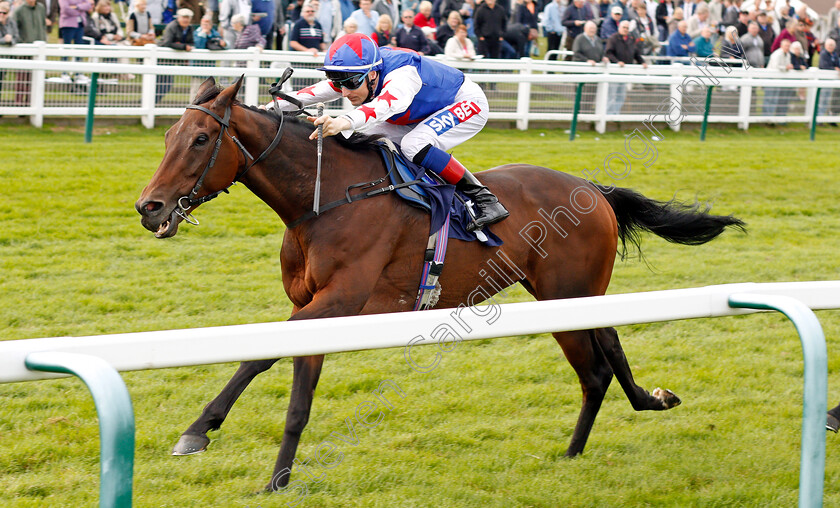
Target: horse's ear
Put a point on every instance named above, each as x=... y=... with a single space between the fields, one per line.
x=208 y=84
x=228 y=95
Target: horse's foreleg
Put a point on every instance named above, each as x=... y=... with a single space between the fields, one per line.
x=639 y=398
x=194 y=439
x=306 y=373
x=594 y=373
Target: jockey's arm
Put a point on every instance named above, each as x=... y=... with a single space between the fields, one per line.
x=322 y=91
x=398 y=91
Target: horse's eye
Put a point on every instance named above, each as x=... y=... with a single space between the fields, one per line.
x=201 y=139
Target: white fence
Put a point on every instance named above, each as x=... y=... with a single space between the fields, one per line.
x=176 y=348
x=150 y=81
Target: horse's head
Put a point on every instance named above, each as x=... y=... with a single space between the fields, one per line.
x=199 y=160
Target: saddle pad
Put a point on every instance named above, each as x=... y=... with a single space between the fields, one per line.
x=437 y=199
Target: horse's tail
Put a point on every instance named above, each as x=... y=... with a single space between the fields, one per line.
x=674 y=221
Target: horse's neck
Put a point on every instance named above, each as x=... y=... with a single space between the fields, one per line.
x=286 y=180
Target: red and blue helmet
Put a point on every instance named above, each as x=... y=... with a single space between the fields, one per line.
x=350 y=58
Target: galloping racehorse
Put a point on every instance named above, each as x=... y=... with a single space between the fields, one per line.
x=332 y=265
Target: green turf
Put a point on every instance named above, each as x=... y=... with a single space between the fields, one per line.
x=490 y=425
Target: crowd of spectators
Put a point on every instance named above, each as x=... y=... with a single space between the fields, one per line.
x=763 y=33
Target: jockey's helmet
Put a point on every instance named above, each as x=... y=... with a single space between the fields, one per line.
x=349 y=60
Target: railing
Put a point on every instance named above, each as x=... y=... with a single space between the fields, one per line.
x=94 y=358
x=150 y=81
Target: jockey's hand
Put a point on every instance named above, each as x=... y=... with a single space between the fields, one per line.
x=332 y=126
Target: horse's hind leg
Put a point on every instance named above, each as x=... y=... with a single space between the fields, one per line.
x=639 y=398
x=833 y=419
x=194 y=439
x=306 y=374
x=584 y=354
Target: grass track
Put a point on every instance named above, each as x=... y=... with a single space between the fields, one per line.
x=488 y=427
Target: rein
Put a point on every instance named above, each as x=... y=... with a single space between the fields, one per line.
x=189 y=201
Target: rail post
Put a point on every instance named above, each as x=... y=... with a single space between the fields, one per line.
x=116 y=419
x=706 y=112
x=573 y=127
x=815 y=394
x=94 y=87
x=816 y=111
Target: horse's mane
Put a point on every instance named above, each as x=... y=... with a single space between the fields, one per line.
x=356 y=141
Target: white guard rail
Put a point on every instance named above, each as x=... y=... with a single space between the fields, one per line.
x=199 y=346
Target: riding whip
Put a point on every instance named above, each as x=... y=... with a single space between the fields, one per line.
x=317 y=200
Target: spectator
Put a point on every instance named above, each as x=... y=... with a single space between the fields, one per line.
x=196 y=6
x=71 y=22
x=700 y=20
x=9 y=35
x=241 y=36
x=731 y=48
x=139 y=26
x=104 y=20
x=447 y=30
x=680 y=43
x=624 y=6
x=689 y=8
x=388 y=7
x=753 y=45
x=643 y=28
x=675 y=20
x=766 y=32
x=441 y=9
x=703 y=46
x=664 y=13
x=365 y=17
x=526 y=15
x=621 y=49
x=811 y=45
x=306 y=34
x=833 y=17
x=227 y=8
x=743 y=22
x=410 y=36
x=798 y=57
x=459 y=45
x=788 y=34
x=828 y=61
x=715 y=12
x=776 y=99
x=835 y=33
x=384 y=29
x=330 y=17
x=350 y=27
x=490 y=26
x=516 y=40
x=179 y=35
x=575 y=16
x=206 y=36
x=587 y=47
x=155 y=8
x=610 y=25
x=731 y=12
x=262 y=14
x=553 y=26
x=423 y=19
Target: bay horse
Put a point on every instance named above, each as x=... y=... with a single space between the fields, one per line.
x=333 y=266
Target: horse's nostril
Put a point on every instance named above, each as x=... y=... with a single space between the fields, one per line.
x=153 y=206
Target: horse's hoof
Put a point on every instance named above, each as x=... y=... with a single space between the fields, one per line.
x=190 y=444
x=667 y=397
x=832 y=423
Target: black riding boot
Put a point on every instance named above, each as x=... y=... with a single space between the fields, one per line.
x=487 y=209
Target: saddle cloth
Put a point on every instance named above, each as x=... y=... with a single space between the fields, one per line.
x=436 y=198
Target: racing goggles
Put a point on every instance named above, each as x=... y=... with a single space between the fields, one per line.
x=348 y=80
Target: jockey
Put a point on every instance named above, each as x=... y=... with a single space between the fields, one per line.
x=425 y=106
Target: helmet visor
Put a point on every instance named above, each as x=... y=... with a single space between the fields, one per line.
x=348 y=80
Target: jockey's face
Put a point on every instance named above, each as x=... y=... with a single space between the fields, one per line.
x=358 y=96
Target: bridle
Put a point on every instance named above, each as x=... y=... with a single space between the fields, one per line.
x=188 y=201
